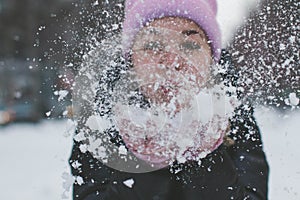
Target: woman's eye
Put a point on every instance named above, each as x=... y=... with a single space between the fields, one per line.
x=189 y=46
x=154 y=45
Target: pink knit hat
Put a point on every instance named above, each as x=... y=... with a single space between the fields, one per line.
x=203 y=12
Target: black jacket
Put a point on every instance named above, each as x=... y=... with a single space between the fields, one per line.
x=233 y=171
x=239 y=171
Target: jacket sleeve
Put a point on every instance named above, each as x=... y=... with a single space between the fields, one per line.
x=248 y=156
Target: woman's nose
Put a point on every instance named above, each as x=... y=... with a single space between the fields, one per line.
x=172 y=61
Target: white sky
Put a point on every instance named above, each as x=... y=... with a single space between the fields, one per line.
x=231 y=13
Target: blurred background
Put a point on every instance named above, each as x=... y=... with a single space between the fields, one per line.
x=41 y=45
x=33 y=72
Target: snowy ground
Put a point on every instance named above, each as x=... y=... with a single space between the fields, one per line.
x=33 y=160
x=34 y=157
x=281 y=136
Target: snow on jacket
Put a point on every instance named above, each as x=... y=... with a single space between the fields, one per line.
x=236 y=170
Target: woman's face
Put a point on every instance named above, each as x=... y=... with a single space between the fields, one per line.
x=171 y=57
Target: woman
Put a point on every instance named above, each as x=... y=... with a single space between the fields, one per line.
x=155 y=139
